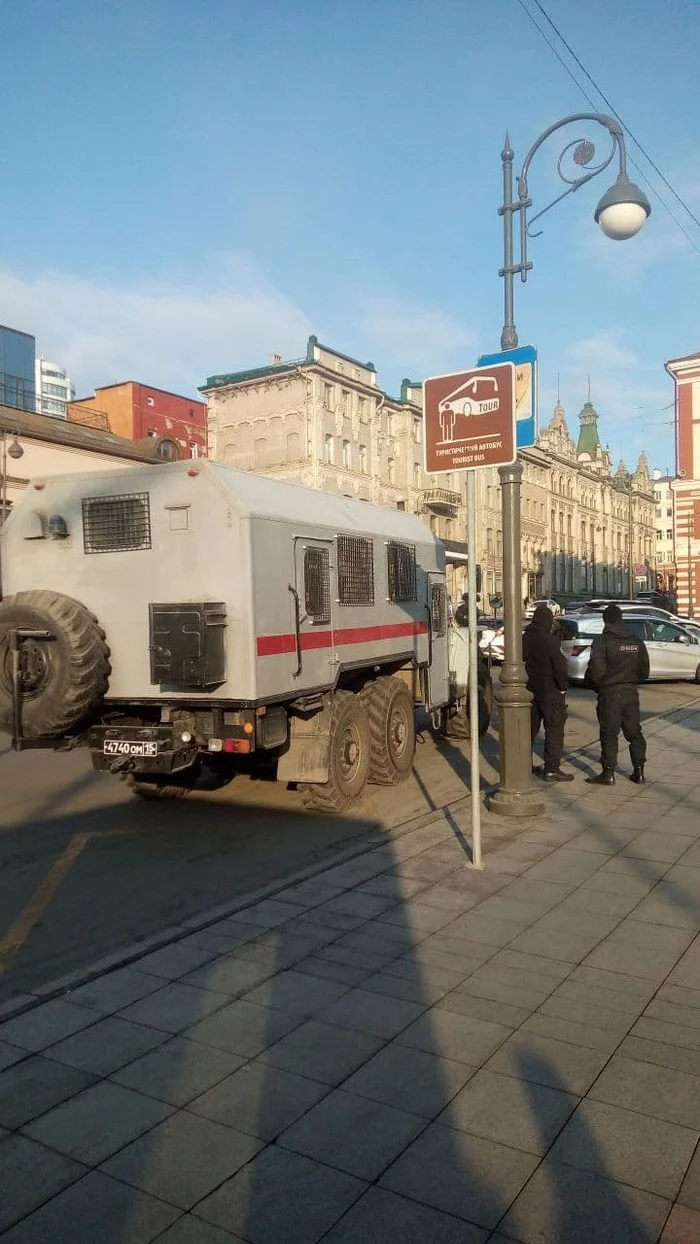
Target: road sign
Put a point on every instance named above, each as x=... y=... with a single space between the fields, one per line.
x=525 y=360
x=470 y=419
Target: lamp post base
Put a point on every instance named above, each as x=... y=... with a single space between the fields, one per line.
x=516 y=794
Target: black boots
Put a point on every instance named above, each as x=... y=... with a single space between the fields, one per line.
x=556 y=775
x=638 y=775
x=606 y=778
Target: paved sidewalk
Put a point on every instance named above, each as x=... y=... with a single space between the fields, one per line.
x=399 y=1049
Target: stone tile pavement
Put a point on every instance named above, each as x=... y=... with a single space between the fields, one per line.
x=397 y=1049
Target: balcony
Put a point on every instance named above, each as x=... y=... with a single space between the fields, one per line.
x=441 y=501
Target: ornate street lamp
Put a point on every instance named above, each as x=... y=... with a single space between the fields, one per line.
x=620 y=213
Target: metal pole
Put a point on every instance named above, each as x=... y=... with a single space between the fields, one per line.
x=509 y=337
x=516 y=795
x=475 y=759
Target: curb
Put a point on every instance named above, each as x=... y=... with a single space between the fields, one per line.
x=194 y=924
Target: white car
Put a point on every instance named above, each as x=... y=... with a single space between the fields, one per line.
x=551 y=604
x=674 y=650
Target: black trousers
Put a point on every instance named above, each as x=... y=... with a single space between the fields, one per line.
x=550 y=710
x=618 y=709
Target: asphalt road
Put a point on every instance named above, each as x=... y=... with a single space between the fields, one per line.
x=86 y=868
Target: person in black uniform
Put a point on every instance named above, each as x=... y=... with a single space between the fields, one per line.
x=619 y=662
x=548 y=680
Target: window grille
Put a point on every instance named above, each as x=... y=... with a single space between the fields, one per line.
x=401 y=565
x=116 y=524
x=355 y=570
x=317 y=585
x=438 y=609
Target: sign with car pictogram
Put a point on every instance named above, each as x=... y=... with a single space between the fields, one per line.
x=470 y=419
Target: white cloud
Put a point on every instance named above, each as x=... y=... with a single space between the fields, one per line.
x=419 y=341
x=167 y=334
x=629 y=395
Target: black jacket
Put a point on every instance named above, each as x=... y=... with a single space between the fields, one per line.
x=545 y=662
x=618 y=658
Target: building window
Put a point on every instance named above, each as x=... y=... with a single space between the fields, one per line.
x=657 y=495
x=391 y=468
x=362 y=453
x=355 y=570
x=659 y=535
x=346 y=455
x=499 y=544
x=329 y=449
x=346 y=402
x=658 y=511
x=416 y=475
x=317 y=584
x=391 y=424
x=418 y=431
x=669 y=535
x=150 y=401
x=669 y=512
x=489 y=541
x=328 y=396
x=194 y=449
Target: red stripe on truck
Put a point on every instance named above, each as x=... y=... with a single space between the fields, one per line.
x=277 y=645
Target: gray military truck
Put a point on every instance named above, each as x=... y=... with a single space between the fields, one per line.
x=181 y=614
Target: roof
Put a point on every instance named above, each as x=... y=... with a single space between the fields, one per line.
x=258 y=496
x=120 y=384
x=588 y=439
x=314 y=341
x=73 y=435
x=252 y=373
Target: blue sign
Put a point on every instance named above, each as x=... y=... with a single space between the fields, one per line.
x=525 y=360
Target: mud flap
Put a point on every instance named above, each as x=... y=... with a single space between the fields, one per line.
x=307 y=755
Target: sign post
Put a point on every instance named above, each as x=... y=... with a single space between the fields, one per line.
x=470 y=423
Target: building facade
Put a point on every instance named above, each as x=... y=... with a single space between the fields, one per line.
x=53 y=388
x=685 y=373
x=322 y=421
x=138 y=411
x=17 y=358
x=665 y=546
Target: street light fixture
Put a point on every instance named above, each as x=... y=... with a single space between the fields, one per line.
x=620 y=213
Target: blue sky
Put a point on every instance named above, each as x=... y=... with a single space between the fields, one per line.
x=189 y=185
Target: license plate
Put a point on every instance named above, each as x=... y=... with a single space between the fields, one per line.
x=124 y=747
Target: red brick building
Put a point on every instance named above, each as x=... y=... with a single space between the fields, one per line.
x=138 y=411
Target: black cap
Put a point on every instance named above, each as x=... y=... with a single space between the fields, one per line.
x=612 y=613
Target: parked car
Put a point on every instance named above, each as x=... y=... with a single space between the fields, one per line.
x=674 y=650
x=636 y=607
x=551 y=604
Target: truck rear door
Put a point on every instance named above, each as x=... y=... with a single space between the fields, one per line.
x=314 y=592
x=438 y=676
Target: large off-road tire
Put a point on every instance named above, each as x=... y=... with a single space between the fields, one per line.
x=456 y=723
x=349 y=759
x=64 y=677
x=392 y=728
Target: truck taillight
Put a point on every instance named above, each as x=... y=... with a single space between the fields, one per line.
x=578 y=649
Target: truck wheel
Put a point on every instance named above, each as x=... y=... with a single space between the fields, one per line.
x=349 y=759
x=64 y=677
x=392 y=728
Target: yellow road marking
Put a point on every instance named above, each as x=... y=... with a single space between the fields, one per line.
x=19 y=931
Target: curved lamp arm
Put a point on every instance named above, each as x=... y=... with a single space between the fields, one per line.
x=582 y=152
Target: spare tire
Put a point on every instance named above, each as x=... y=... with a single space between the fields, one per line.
x=62 y=678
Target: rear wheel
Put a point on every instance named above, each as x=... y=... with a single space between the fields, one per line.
x=349 y=757
x=392 y=727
